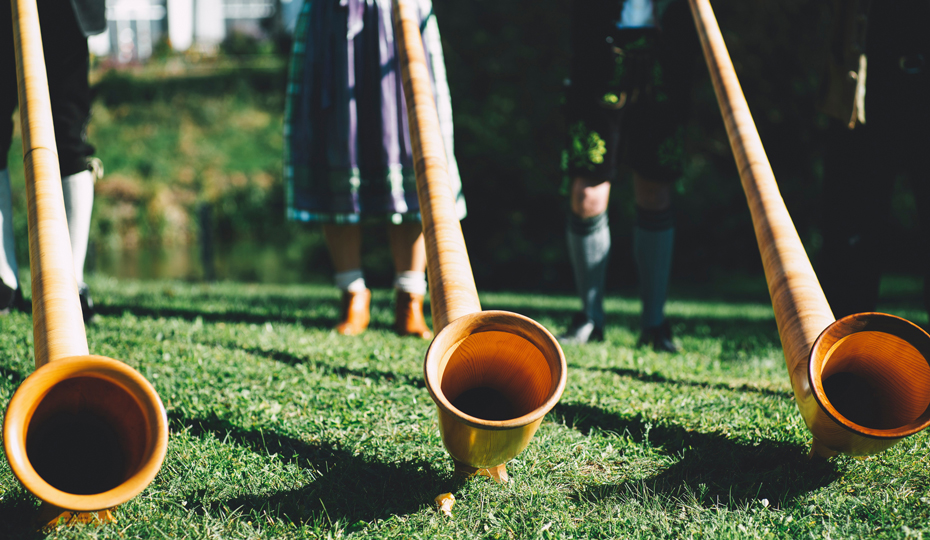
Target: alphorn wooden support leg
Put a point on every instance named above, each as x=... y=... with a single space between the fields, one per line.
x=819 y=451
x=50 y=516
x=498 y=473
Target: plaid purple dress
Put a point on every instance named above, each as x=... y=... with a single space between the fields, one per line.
x=347 y=156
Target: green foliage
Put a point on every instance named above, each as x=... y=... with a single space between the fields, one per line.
x=587 y=148
x=186 y=130
x=238 y=43
x=281 y=428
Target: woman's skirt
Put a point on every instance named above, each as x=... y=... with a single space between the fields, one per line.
x=347 y=156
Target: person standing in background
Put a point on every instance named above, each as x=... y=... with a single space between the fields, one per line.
x=627 y=103
x=876 y=92
x=65 y=26
x=348 y=159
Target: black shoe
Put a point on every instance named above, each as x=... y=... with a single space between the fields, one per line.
x=581 y=331
x=659 y=337
x=87 y=304
x=12 y=300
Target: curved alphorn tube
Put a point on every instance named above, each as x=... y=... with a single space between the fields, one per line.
x=493 y=374
x=861 y=383
x=83 y=433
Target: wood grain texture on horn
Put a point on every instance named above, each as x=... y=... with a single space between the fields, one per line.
x=451 y=282
x=801 y=309
x=82 y=433
x=873 y=358
x=493 y=375
x=57 y=323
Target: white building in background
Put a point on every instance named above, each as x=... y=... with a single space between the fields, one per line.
x=134 y=27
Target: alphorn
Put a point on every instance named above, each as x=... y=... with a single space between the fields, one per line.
x=861 y=383
x=492 y=374
x=83 y=433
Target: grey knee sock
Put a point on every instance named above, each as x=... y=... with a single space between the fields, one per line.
x=653 y=240
x=588 y=250
x=9 y=271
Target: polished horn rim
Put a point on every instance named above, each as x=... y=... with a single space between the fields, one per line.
x=38 y=385
x=834 y=334
x=445 y=343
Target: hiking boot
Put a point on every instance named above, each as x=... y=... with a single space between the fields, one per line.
x=582 y=330
x=87 y=303
x=659 y=337
x=355 y=314
x=408 y=316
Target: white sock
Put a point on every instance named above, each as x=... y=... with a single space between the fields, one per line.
x=411 y=282
x=9 y=271
x=351 y=280
x=79 y=202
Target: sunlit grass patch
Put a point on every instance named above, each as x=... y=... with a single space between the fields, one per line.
x=281 y=428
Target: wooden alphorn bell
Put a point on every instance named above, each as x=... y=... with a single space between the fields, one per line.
x=83 y=433
x=492 y=374
x=861 y=383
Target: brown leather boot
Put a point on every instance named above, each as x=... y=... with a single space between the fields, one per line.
x=355 y=316
x=408 y=316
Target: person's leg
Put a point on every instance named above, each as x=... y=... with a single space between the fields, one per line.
x=653 y=243
x=408 y=250
x=920 y=186
x=345 y=250
x=78 y=190
x=588 y=236
x=919 y=180
x=594 y=105
x=857 y=190
x=9 y=272
x=67 y=64
x=9 y=277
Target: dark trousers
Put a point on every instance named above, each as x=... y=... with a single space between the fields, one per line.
x=861 y=165
x=67 y=63
x=860 y=169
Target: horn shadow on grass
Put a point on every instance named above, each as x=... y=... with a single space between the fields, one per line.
x=117 y=310
x=737 y=331
x=248 y=309
x=644 y=376
x=341 y=371
x=283 y=308
x=18 y=515
x=15 y=377
x=713 y=470
x=350 y=489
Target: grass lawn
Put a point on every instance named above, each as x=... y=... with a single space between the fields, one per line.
x=280 y=428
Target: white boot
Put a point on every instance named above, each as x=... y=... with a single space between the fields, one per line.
x=9 y=271
x=78 y=190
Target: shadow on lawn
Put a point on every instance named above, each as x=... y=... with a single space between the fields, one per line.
x=117 y=310
x=348 y=488
x=269 y=309
x=739 y=333
x=341 y=371
x=15 y=377
x=715 y=470
x=17 y=515
x=644 y=376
